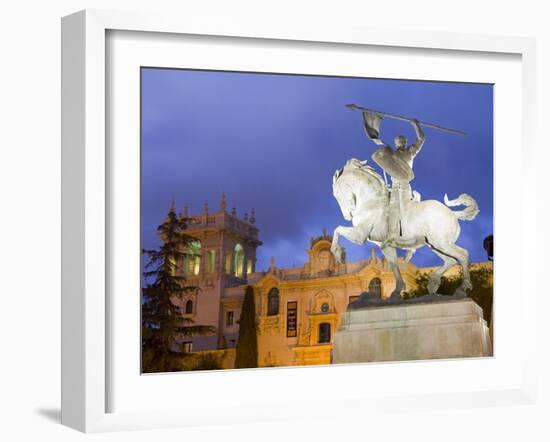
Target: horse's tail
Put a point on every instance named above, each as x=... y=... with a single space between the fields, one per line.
x=471 y=210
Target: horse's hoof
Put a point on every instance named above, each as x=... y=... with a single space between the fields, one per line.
x=396 y=296
x=433 y=286
x=338 y=253
x=459 y=293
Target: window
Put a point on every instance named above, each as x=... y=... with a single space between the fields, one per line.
x=249 y=267
x=353 y=299
x=375 y=286
x=189 y=307
x=273 y=302
x=211 y=261
x=173 y=266
x=193 y=258
x=229 y=318
x=324 y=333
x=239 y=261
x=187 y=346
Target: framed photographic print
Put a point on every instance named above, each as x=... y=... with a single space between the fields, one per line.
x=269 y=286
x=305 y=213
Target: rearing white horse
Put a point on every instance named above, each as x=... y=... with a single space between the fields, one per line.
x=363 y=200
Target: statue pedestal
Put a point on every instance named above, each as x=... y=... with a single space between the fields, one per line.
x=433 y=330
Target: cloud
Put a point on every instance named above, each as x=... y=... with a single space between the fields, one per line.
x=272 y=142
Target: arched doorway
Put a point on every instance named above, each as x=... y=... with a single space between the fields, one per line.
x=375 y=286
x=324 y=333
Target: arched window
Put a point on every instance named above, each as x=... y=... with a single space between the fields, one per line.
x=375 y=286
x=211 y=261
x=273 y=302
x=172 y=266
x=193 y=258
x=324 y=333
x=239 y=261
x=189 y=307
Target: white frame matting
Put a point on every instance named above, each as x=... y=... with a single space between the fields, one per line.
x=87 y=212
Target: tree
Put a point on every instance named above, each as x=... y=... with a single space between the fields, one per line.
x=247 y=344
x=482 y=293
x=163 y=325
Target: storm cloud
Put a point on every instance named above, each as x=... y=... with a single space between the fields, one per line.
x=272 y=142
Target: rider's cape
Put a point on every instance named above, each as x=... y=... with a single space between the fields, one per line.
x=390 y=161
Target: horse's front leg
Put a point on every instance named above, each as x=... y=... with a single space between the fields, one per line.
x=390 y=253
x=356 y=235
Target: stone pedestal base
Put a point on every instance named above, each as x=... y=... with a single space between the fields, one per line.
x=444 y=329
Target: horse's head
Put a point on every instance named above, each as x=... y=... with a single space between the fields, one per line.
x=356 y=182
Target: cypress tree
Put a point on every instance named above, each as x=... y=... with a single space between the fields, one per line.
x=163 y=325
x=247 y=344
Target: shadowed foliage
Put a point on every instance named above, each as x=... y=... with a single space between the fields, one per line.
x=247 y=345
x=207 y=361
x=482 y=292
x=163 y=326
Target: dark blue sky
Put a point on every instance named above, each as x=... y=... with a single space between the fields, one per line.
x=272 y=142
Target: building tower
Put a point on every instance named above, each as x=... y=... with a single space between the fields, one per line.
x=223 y=255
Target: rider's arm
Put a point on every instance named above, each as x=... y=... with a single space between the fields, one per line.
x=420 y=138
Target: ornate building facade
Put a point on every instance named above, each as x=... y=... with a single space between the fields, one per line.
x=298 y=310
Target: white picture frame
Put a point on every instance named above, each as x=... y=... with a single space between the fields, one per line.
x=86 y=211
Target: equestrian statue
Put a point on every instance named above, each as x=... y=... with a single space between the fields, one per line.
x=393 y=216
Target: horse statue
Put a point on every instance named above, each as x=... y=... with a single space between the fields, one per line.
x=364 y=199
